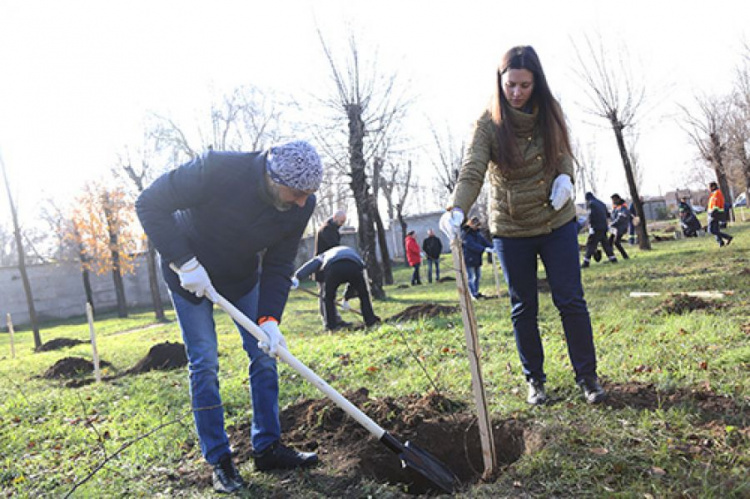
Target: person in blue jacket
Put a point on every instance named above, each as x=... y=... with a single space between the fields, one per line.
x=230 y=223
x=474 y=244
x=619 y=224
x=336 y=266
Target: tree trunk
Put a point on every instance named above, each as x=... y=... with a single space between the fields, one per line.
x=22 y=266
x=366 y=232
x=153 y=283
x=402 y=223
x=122 y=306
x=641 y=229
x=385 y=255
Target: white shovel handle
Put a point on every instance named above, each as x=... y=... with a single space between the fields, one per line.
x=298 y=366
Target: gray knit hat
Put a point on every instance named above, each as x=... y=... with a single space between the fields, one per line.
x=295 y=164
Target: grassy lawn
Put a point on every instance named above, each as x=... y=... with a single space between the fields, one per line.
x=677 y=423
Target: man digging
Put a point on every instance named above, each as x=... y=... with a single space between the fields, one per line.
x=231 y=222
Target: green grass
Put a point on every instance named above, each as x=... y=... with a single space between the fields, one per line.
x=51 y=437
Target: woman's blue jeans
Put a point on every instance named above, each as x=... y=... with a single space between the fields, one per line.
x=559 y=254
x=199 y=335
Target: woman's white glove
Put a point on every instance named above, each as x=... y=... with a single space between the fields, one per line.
x=295 y=283
x=194 y=278
x=275 y=338
x=562 y=191
x=450 y=222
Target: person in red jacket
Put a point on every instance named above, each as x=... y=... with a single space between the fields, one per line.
x=413 y=257
x=716 y=214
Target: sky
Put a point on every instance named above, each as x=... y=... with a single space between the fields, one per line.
x=77 y=78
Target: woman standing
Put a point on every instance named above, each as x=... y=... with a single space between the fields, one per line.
x=413 y=257
x=521 y=143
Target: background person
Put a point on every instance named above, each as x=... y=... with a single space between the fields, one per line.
x=413 y=256
x=327 y=237
x=521 y=145
x=210 y=219
x=715 y=211
x=598 y=216
x=474 y=246
x=339 y=265
x=433 y=248
x=619 y=224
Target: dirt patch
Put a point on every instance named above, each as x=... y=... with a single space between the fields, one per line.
x=58 y=344
x=425 y=310
x=71 y=367
x=680 y=304
x=349 y=453
x=745 y=271
x=161 y=357
x=446 y=279
x=711 y=406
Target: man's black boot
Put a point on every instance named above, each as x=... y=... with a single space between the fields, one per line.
x=281 y=457
x=592 y=390
x=226 y=478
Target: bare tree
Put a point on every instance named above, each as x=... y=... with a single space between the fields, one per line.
x=22 y=261
x=368 y=103
x=450 y=157
x=140 y=168
x=586 y=171
x=739 y=125
x=707 y=129
x=385 y=255
x=617 y=97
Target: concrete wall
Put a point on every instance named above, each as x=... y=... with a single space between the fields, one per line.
x=59 y=294
x=58 y=291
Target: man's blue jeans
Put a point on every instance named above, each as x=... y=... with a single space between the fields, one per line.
x=199 y=335
x=474 y=275
x=559 y=254
x=430 y=263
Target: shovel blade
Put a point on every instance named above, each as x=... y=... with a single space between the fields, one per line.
x=424 y=463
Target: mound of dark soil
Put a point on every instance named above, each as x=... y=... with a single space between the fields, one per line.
x=446 y=279
x=351 y=453
x=161 y=357
x=416 y=312
x=680 y=304
x=58 y=344
x=70 y=367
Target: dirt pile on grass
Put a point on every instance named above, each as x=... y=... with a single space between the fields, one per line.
x=71 y=367
x=423 y=310
x=681 y=304
x=349 y=452
x=161 y=357
x=58 y=344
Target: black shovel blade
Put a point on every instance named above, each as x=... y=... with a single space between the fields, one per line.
x=424 y=463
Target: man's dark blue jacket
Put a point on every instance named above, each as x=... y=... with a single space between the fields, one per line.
x=218 y=209
x=474 y=244
x=598 y=213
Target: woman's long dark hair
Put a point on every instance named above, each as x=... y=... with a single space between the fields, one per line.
x=551 y=121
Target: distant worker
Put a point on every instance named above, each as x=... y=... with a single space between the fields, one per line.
x=598 y=216
x=716 y=215
x=339 y=265
x=327 y=237
x=688 y=221
x=433 y=248
x=619 y=224
x=413 y=256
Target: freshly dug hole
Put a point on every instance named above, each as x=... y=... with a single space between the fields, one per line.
x=434 y=423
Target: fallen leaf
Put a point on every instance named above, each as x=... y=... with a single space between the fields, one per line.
x=703 y=365
x=655 y=470
x=599 y=451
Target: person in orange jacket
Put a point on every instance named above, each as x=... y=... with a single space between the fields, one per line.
x=716 y=214
x=413 y=256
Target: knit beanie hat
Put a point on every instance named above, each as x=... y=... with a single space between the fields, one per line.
x=295 y=164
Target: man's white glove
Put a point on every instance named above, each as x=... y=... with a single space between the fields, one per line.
x=295 y=283
x=194 y=278
x=562 y=191
x=345 y=305
x=450 y=222
x=275 y=338
x=489 y=249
